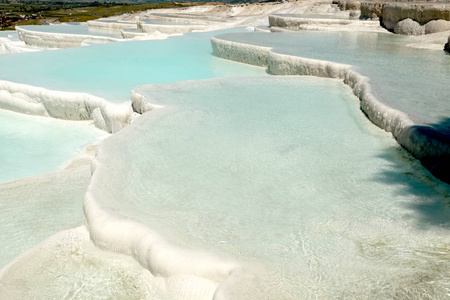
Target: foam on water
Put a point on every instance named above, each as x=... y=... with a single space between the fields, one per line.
x=284 y=175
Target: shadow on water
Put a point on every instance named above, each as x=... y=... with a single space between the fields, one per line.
x=431 y=196
x=412 y=178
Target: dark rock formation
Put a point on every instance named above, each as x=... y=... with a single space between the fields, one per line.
x=447 y=46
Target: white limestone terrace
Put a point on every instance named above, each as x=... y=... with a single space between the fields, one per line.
x=329 y=22
x=202 y=211
x=112 y=24
x=62 y=36
x=10 y=43
x=169 y=28
x=395 y=99
x=153 y=251
x=164 y=22
x=157 y=24
x=38 y=101
x=148 y=25
x=161 y=24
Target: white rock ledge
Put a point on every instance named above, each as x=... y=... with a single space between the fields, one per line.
x=64 y=105
x=58 y=40
x=188 y=274
x=169 y=28
x=111 y=24
x=418 y=139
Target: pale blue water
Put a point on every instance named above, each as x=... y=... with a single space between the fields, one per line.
x=37 y=145
x=33 y=210
x=32 y=146
x=112 y=70
x=6 y=33
x=411 y=80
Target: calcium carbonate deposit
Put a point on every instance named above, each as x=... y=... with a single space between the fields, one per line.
x=146 y=164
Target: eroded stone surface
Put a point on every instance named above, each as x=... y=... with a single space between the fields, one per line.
x=409 y=27
x=437 y=26
x=392 y=13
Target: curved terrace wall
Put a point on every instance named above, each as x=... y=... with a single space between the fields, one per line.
x=425 y=143
x=64 y=105
x=296 y=22
x=280 y=22
x=169 y=28
x=110 y=24
x=195 y=273
x=57 y=40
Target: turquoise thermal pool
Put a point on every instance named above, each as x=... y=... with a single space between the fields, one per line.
x=36 y=145
x=112 y=70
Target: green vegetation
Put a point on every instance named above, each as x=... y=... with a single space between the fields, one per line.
x=44 y=13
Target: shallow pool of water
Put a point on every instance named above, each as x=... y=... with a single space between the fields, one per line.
x=37 y=145
x=285 y=173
